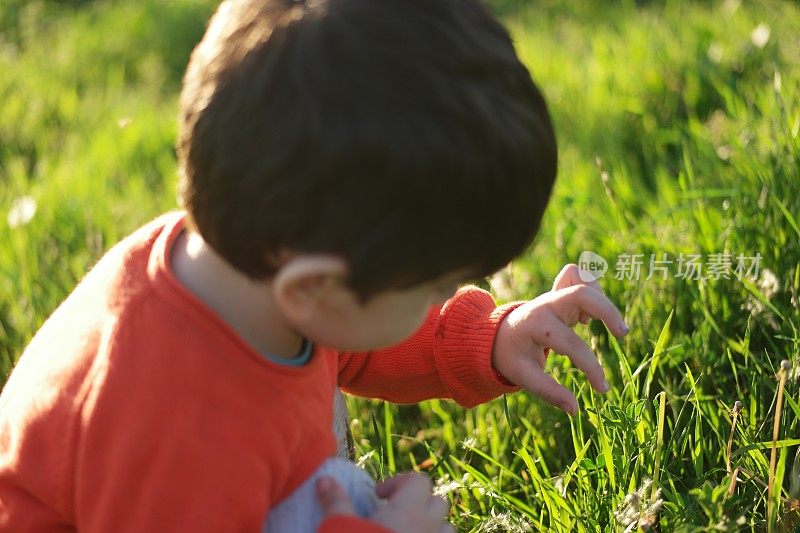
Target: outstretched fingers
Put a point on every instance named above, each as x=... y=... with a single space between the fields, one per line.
x=531 y=377
x=565 y=341
x=592 y=302
x=571 y=275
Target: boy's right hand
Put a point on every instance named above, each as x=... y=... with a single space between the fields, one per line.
x=409 y=505
x=519 y=350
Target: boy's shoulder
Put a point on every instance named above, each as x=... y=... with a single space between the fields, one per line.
x=61 y=355
x=127 y=372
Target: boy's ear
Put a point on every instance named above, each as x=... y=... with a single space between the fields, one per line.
x=304 y=281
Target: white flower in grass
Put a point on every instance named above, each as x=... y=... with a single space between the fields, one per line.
x=558 y=483
x=768 y=283
x=729 y=524
x=504 y=522
x=361 y=461
x=639 y=511
x=715 y=53
x=22 y=211
x=760 y=35
x=445 y=485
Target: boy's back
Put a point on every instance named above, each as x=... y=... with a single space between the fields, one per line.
x=109 y=388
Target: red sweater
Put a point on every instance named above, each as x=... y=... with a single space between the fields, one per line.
x=136 y=408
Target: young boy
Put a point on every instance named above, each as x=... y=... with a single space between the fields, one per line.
x=345 y=164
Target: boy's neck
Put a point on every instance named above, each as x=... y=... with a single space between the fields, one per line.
x=246 y=305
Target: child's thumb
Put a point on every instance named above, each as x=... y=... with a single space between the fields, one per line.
x=333 y=498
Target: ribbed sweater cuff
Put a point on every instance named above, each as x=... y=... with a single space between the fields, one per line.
x=350 y=524
x=463 y=351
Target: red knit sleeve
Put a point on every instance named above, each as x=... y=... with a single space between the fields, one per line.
x=449 y=356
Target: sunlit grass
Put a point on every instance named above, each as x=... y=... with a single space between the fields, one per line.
x=679 y=133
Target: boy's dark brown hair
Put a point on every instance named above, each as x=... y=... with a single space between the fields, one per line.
x=403 y=135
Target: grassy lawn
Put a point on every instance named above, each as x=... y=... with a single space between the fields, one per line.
x=679 y=133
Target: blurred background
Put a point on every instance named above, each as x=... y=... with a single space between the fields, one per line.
x=679 y=133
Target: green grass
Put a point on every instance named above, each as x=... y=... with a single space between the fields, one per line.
x=679 y=133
